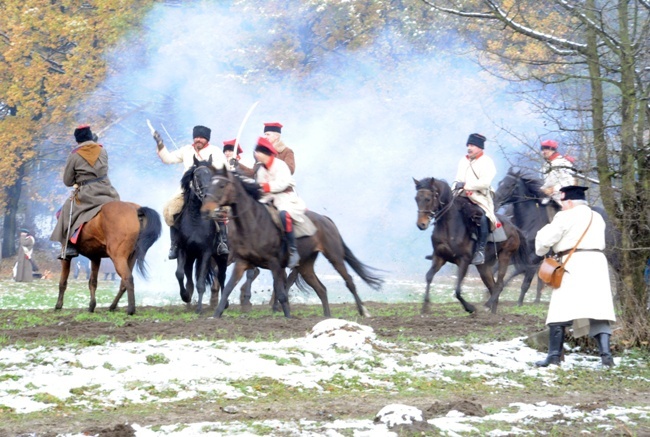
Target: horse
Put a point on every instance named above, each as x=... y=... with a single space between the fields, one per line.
x=197 y=237
x=452 y=242
x=529 y=213
x=123 y=232
x=258 y=242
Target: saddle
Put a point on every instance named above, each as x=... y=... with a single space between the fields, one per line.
x=472 y=214
x=302 y=225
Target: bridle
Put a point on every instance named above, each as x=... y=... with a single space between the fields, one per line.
x=217 y=200
x=198 y=189
x=442 y=210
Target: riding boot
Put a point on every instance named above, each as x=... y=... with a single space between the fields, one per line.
x=70 y=252
x=605 y=353
x=555 y=346
x=294 y=256
x=222 y=248
x=483 y=231
x=173 y=236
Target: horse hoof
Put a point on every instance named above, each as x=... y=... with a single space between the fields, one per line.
x=246 y=308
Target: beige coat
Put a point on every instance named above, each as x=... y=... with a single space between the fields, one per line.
x=24 y=270
x=585 y=292
x=478 y=175
x=279 y=187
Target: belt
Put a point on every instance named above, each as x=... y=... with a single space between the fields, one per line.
x=90 y=181
x=566 y=252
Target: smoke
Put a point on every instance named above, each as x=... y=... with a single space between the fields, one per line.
x=360 y=129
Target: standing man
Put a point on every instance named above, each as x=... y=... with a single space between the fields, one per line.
x=585 y=295
x=200 y=149
x=474 y=181
x=273 y=133
x=277 y=184
x=25 y=266
x=557 y=172
x=86 y=170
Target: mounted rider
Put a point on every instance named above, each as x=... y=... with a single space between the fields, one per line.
x=557 y=172
x=278 y=186
x=232 y=159
x=86 y=170
x=201 y=149
x=473 y=180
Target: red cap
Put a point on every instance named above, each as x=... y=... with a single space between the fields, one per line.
x=263 y=143
x=273 y=127
x=549 y=144
x=230 y=145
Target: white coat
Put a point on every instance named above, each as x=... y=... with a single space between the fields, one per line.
x=478 y=175
x=279 y=187
x=557 y=173
x=585 y=292
x=186 y=155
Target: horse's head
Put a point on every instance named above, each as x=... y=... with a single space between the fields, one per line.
x=429 y=198
x=505 y=193
x=196 y=179
x=517 y=187
x=219 y=192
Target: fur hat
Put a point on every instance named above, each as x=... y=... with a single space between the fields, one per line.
x=83 y=133
x=477 y=140
x=273 y=127
x=573 y=192
x=265 y=146
x=201 y=132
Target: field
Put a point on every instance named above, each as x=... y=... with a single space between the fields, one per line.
x=169 y=371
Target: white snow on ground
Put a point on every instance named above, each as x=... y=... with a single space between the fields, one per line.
x=335 y=350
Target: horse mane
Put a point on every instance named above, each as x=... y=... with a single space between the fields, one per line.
x=250 y=186
x=533 y=183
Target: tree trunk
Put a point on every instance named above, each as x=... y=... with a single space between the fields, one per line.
x=9 y=231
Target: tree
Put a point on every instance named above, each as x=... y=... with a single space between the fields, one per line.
x=605 y=46
x=50 y=56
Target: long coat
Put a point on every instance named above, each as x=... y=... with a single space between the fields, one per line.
x=557 y=172
x=24 y=270
x=186 y=155
x=478 y=174
x=286 y=154
x=585 y=292
x=278 y=185
x=91 y=195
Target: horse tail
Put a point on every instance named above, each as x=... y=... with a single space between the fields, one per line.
x=150 y=230
x=361 y=269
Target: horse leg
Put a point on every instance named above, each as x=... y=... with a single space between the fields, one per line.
x=306 y=270
x=525 y=285
x=124 y=268
x=122 y=289
x=339 y=266
x=462 y=271
x=63 y=282
x=540 y=287
x=235 y=276
x=245 y=290
x=180 y=276
x=436 y=264
x=202 y=279
x=493 y=288
x=92 y=283
x=279 y=287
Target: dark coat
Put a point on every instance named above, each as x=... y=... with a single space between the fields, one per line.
x=89 y=197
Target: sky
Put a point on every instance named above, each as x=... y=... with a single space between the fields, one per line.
x=147 y=373
x=360 y=137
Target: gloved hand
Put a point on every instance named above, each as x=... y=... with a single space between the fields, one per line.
x=459 y=185
x=158 y=139
x=234 y=162
x=256 y=166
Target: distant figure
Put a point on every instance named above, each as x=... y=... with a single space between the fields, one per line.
x=24 y=265
x=82 y=264
x=557 y=172
x=107 y=268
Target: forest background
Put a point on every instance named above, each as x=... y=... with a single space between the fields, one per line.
x=355 y=82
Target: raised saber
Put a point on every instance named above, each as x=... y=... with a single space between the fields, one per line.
x=170 y=137
x=153 y=131
x=243 y=123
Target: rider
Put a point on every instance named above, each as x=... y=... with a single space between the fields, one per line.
x=473 y=180
x=86 y=170
x=277 y=184
x=273 y=133
x=557 y=171
x=200 y=149
x=232 y=161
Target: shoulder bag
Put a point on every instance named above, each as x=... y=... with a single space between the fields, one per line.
x=552 y=269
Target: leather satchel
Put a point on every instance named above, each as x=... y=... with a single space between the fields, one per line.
x=552 y=270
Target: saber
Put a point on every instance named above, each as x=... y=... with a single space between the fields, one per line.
x=170 y=137
x=153 y=131
x=243 y=123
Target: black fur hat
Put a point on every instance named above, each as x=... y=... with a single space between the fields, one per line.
x=477 y=140
x=83 y=133
x=201 y=132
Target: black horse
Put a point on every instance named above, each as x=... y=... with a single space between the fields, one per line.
x=257 y=242
x=452 y=242
x=197 y=238
x=529 y=213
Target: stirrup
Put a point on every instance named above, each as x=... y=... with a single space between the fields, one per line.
x=479 y=257
x=222 y=249
x=70 y=252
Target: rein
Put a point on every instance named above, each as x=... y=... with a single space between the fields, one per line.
x=212 y=196
x=435 y=215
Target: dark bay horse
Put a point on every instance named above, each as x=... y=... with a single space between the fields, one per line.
x=523 y=192
x=452 y=242
x=197 y=237
x=123 y=232
x=258 y=242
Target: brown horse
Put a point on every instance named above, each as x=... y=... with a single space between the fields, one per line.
x=452 y=242
x=123 y=232
x=256 y=241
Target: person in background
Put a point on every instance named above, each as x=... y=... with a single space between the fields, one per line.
x=273 y=133
x=584 y=299
x=557 y=172
x=473 y=180
x=201 y=149
x=24 y=265
x=277 y=185
x=86 y=170
x=232 y=160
